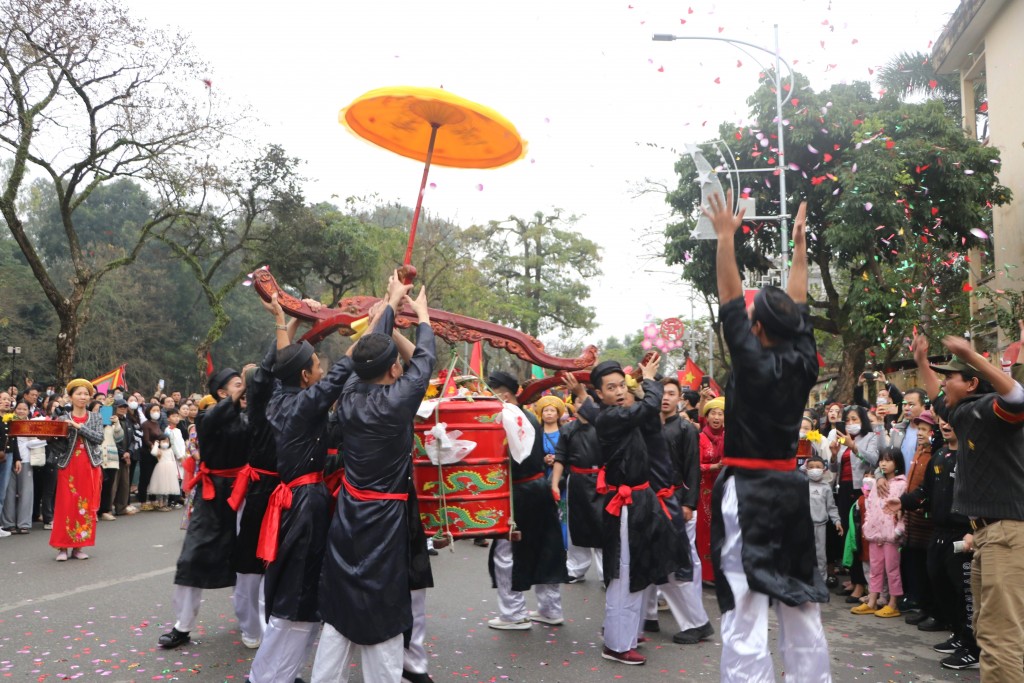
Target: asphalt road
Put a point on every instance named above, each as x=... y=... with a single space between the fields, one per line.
x=99 y=619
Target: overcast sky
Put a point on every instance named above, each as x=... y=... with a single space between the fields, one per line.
x=599 y=103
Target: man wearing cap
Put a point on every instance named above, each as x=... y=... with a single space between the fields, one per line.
x=210 y=537
x=762 y=536
x=366 y=578
x=985 y=407
x=640 y=544
x=538 y=559
x=293 y=533
x=125 y=432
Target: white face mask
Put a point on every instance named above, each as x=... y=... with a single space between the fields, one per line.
x=154 y=416
x=853 y=430
x=803 y=433
x=867 y=485
x=133 y=405
x=815 y=473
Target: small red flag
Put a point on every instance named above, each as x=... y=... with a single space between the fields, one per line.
x=209 y=364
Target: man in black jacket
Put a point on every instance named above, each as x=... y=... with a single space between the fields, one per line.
x=985 y=406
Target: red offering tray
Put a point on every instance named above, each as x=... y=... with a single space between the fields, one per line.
x=476 y=491
x=40 y=429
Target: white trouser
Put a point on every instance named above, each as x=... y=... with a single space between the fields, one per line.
x=578 y=561
x=186 y=603
x=622 y=609
x=284 y=651
x=687 y=604
x=382 y=663
x=512 y=604
x=745 y=654
x=247 y=598
x=415 y=656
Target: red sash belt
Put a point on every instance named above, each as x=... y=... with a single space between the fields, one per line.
x=204 y=475
x=369 y=494
x=662 y=495
x=760 y=464
x=583 y=470
x=333 y=481
x=534 y=477
x=623 y=493
x=280 y=499
x=241 y=487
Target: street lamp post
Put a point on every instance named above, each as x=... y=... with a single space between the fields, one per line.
x=783 y=227
x=13 y=352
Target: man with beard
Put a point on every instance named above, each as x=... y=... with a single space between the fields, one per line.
x=762 y=537
x=366 y=579
x=210 y=537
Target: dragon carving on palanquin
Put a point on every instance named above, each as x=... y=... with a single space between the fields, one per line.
x=451 y=327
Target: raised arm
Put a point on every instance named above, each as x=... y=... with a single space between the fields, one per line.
x=726 y=223
x=931 y=379
x=1000 y=381
x=284 y=335
x=797 y=285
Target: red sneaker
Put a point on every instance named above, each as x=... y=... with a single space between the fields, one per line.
x=631 y=657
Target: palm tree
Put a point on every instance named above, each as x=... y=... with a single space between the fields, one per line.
x=911 y=74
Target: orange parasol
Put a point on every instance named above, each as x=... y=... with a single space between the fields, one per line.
x=433 y=126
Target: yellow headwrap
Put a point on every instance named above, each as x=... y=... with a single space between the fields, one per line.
x=545 y=401
x=79 y=382
x=712 y=404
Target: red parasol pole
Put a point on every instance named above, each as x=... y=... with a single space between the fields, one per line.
x=419 y=199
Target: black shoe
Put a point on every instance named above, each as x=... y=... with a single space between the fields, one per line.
x=832 y=582
x=961 y=659
x=410 y=677
x=692 y=636
x=931 y=625
x=431 y=552
x=948 y=647
x=576 y=579
x=851 y=600
x=173 y=638
x=482 y=542
x=652 y=625
x=907 y=605
x=915 y=618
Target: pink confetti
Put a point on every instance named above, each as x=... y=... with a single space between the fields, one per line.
x=979 y=233
x=968 y=171
x=433 y=186
x=810 y=148
x=854 y=169
x=480 y=187
x=868 y=206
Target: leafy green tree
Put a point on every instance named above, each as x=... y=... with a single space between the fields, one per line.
x=91 y=96
x=539 y=268
x=896 y=196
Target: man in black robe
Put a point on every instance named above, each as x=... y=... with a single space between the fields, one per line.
x=365 y=583
x=578 y=453
x=641 y=547
x=294 y=530
x=249 y=498
x=210 y=537
x=762 y=537
x=538 y=558
x=683 y=441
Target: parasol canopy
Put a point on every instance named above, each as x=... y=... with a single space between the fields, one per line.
x=402 y=119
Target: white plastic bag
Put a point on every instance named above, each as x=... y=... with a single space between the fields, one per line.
x=445 y=447
x=519 y=432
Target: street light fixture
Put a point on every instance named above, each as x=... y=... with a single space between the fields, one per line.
x=783 y=227
x=13 y=352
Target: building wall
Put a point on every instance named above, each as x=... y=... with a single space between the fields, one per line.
x=1004 y=60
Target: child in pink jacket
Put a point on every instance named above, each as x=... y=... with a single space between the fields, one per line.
x=884 y=531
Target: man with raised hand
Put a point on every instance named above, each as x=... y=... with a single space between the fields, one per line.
x=985 y=406
x=762 y=537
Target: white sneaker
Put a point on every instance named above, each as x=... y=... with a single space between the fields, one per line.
x=502 y=625
x=4 y=533
x=251 y=643
x=554 y=621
